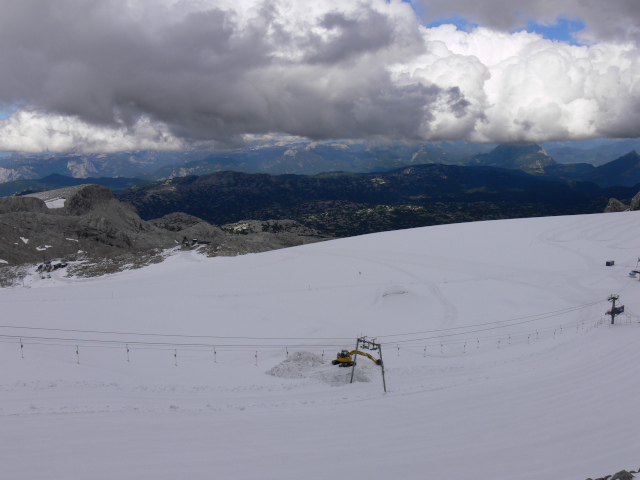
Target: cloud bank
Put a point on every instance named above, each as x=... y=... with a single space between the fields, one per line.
x=122 y=75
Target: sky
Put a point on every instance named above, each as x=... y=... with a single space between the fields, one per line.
x=118 y=75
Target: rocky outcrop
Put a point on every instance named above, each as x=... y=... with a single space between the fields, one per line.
x=22 y=204
x=88 y=223
x=621 y=475
x=92 y=223
x=89 y=198
x=616 y=205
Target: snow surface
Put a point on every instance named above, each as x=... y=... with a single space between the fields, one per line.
x=499 y=361
x=55 y=203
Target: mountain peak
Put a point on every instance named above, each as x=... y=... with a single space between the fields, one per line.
x=519 y=150
x=530 y=158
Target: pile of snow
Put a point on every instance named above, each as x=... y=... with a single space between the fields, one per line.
x=309 y=365
x=298 y=365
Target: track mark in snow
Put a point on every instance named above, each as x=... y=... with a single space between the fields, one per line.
x=450 y=310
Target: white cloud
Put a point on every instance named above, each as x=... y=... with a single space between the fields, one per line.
x=528 y=88
x=35 y=132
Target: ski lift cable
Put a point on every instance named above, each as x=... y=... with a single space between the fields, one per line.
x=143 y=334
x=532 y=318
x=436 y=340
x=88 y=341
x=466 y=332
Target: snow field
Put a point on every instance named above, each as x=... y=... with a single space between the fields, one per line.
x=506 y=368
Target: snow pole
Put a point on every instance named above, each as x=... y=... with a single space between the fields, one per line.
x=21 y=349
x=398 y=346
x=215 y=360
x=175 y=355
x=464 y=350
x=78 y=355
x=322 y=356
x=256 y=358
x=127 y=352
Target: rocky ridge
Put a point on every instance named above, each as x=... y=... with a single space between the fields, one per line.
x=621 y=475
x=99 y=234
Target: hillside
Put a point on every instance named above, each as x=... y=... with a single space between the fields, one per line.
x=499 y=361
x=623 y=171
x=344 y=204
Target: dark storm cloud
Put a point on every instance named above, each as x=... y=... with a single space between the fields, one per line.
x=350 y=37
x=209 y=74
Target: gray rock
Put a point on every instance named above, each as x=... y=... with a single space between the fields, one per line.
x=22 y=204
x=635 y=202
x=622 y=475
x=89 y=198
x=615 y=205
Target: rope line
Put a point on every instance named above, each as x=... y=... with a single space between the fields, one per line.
x=531 y=318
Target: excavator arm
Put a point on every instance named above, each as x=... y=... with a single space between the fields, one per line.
x=345 y=359
x=375 y=360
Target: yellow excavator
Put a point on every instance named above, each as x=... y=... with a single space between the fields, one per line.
x=345 y=358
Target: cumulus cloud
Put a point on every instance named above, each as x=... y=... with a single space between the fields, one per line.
x=122 y=74
x=533 y=89
x=34 y=132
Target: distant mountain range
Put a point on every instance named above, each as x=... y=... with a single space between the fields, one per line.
x=55 y=181
x=304 y=158
x=596 y=155
x=32 y=172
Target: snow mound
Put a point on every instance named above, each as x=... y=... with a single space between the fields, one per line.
x=310 y=365
x=298 y=365
x=394 y=290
